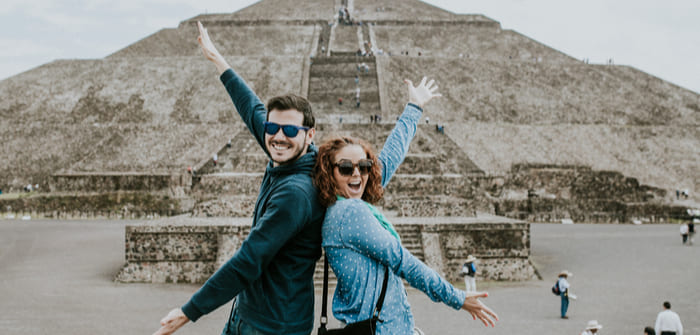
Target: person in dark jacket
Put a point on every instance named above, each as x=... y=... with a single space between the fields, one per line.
x=272 y=273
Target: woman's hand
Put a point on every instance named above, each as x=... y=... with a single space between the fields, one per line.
x=477 y=309
x=209 y=50
x=421 y=94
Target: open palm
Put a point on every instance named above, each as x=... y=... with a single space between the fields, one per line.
x=424 y=92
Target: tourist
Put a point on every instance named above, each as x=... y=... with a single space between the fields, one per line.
x=668 y=322
x=649 y=331
x=684 y=233
x=564 y=291
x=592 y=328
x=469 y=273
x=271 y=274
x=691 y=231
x=362 y=245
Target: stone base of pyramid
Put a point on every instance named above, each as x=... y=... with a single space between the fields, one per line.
x=189 y=250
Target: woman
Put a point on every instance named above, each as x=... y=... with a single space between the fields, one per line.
x=358 y=240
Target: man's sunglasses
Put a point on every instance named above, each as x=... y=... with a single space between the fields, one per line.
x=289 y=130
x=346 y=167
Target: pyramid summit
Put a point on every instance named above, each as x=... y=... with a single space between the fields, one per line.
x=155 y=107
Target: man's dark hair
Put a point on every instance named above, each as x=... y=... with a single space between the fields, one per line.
x=667 y=305
x=293 y=101
x=649 y=331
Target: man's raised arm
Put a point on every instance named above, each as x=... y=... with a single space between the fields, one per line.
x=248 y=105
x=209 y=50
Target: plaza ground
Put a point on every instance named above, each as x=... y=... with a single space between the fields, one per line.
x=57 y=277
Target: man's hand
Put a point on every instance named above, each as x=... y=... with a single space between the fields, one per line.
x=421 y=94
x=172 y=322
x=209 y=50
x=477 y=309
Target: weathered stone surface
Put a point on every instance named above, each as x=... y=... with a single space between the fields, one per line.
x=185 y=246
x=189 y=249
x=166 y=272
x=124 y=205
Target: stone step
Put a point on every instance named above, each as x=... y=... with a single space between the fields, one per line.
x=358 y=116
x=430 y=206
x=236 y=183
x=348 y=96
x=249 y=163
x=332 y=84
x=116 y=182
x=343 y=57
x=328 y=109
x=225 y=206
x=342 y=70
x=427 y=184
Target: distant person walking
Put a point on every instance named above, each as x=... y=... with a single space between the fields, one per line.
x=564 y=292
x=668 y=322
x=684 y=233
x=469 y=273
x=691 y=232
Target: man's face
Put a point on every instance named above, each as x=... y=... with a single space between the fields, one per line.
x=282 y=148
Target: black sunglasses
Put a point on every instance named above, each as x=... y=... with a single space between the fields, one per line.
x=346 y=167
x=289 y=130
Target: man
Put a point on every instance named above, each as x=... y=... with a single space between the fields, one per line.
x=564 y=291
x=272 y=272
x=668 y=322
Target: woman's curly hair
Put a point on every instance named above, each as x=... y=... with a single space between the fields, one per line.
x=324 y=178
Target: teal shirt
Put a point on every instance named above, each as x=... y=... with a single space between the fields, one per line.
x=359 y=248
x=272 y=272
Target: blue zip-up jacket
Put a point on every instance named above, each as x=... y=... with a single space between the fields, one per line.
x=272 y=272
x=359 y=248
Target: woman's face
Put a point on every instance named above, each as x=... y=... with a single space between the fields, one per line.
x=351 y=185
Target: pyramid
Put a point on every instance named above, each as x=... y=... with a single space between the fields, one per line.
x=155 y=107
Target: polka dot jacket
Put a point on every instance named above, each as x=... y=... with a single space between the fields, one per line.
x=359 y=249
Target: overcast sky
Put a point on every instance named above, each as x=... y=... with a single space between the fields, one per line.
x=658 y=37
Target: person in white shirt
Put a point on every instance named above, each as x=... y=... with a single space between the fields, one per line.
x=684 y=233
x=564 y=292
x=668 y=322
x=592 y=328
x=469 y=273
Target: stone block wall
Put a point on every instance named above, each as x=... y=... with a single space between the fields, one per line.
x=173 y=184
x=160 y=252
x=549 y=193
x=189 y=250
x=112 y=205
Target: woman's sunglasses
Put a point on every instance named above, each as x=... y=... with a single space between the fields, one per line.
x=289 y=130
x=346 y=167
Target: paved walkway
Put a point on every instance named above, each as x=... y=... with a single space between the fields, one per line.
x=56 y=277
